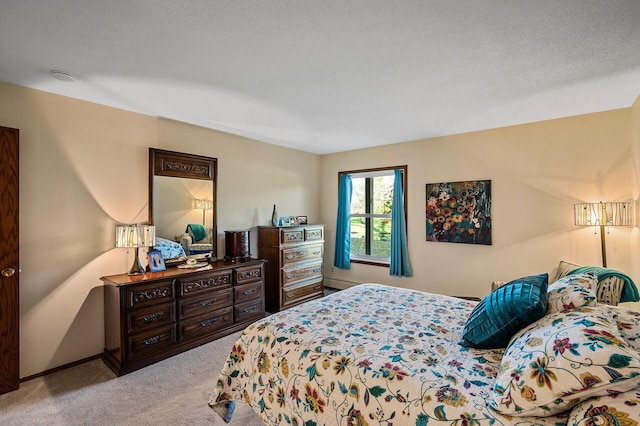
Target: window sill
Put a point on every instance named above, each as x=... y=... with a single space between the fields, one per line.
x=373 y=262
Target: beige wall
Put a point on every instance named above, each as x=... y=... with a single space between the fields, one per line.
x=635 y=184
x=538 y=171
x=83 y=168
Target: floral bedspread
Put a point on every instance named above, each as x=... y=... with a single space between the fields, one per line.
x=169 y=249
x=369 y=355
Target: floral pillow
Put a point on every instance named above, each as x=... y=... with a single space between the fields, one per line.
x=622 y=410
x=561 y=360
x=571 y=292
x=628 y=321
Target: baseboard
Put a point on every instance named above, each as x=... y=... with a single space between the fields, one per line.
x=60 y=368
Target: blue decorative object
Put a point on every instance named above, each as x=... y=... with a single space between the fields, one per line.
x=505 y=311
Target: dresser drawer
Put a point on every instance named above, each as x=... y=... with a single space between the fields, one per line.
x=152 y=340
x=297 y=294
x=247 y=274
x=205 y=324
x=249 y=311
x=293 y=235
x=301 y=254
x=302 y=273
x=149 y=294
x=203 y=303
x=142 y=319
x=200 y=283
x=247 y=292
x=313 y=234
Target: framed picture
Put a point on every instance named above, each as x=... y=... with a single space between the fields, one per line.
x=459 y=212
x=302 y=220
x=156 y=261
x=285 y=221
x=293 y=221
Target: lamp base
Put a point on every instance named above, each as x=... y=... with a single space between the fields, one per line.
x=136 y=268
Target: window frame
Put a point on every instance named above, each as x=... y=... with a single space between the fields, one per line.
x=368 y=259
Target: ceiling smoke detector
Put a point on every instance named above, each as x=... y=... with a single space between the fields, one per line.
x=62 y=76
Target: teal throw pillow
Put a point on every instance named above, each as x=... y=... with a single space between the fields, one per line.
x=506 y=310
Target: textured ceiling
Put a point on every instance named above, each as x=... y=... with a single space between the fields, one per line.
x=331 y=75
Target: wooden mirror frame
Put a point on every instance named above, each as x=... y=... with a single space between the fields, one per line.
x=190 y=166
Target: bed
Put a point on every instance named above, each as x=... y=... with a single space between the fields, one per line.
x=380 y=355
x=169 y=249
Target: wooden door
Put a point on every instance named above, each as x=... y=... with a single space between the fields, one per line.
x=9 y=281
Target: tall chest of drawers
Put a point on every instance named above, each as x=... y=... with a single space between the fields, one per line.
x=293 y=272
x=154 y=316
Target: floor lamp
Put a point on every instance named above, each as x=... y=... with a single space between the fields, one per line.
x=602 y=215
x=204 y=205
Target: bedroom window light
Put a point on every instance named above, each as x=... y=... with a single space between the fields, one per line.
x=370 y=210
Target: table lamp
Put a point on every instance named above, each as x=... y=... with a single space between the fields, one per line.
x=135 y=236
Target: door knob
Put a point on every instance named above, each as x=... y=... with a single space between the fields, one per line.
x=8 y=272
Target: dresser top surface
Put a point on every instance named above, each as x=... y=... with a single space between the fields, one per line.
x=174 y=272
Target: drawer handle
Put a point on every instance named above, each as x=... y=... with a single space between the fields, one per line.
x=290 y=295
x=207 y=302
x=317 y=287
x=316 y=252
x=152 y=317
x=208 y=322
x=290 y=276
x=316 y=269
x=153 y=340
x=250 y=309
x=291 y=256
x=248 y=292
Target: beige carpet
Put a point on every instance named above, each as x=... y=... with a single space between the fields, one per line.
x=171 y=392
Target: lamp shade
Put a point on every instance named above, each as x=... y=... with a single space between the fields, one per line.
x=135 y=236
x=603 y=214
x=202 y=204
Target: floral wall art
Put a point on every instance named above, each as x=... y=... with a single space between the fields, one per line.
x=459 y=212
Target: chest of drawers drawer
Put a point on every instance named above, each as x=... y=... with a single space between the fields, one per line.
x=301 y=273
x=150 y=341
x=248 y=311
x=199 y=283
x=149 y=294
x=301 y=254
x=247 y=292
x=247 y=274
x=205 y=324
x=299 y=293
x=153 y=316
x=205 y=302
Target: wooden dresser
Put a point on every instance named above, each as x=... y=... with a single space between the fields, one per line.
x=154 y=316
x=293 y=272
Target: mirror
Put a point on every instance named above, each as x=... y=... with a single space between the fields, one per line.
x=182 y=205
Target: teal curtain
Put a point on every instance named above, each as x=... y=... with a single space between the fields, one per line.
x=399 y=254
x=341 y=258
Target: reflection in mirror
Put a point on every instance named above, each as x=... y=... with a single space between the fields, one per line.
x=183 y=208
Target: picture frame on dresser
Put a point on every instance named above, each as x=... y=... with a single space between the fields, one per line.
x=156 y=261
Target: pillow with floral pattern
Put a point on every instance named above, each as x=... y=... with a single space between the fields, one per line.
x=571 y=292
x=628 y=321
x=562 y=359
x=616 y=410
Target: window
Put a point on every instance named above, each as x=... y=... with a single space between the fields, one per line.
x=370 y=214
